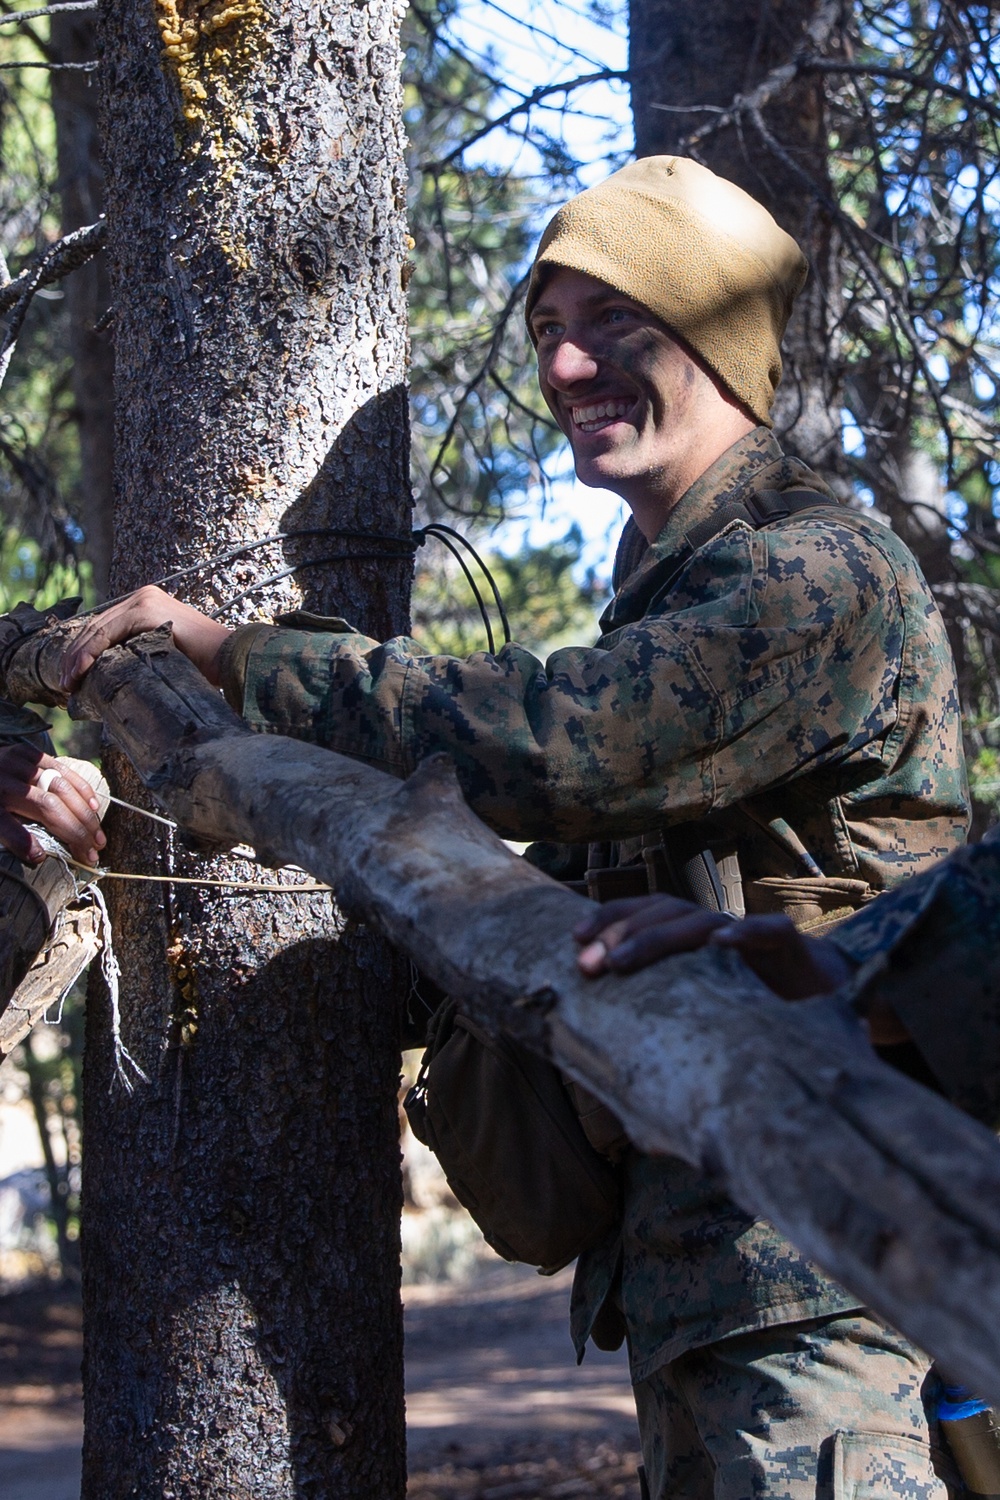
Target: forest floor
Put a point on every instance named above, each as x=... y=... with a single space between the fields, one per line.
x=496 y=1407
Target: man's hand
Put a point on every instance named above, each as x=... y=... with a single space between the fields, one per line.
x=626 y=935
x=36 y=788
x=199 y=637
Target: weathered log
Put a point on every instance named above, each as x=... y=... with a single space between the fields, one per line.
x=75 y=938
x=884 y=1184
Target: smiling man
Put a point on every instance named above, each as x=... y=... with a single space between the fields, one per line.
x=769 y=720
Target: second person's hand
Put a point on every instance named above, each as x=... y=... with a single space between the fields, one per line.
x=622 y=936
x=37 y=788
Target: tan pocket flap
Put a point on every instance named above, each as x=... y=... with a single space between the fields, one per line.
x=877 y=1466
x=814 y=905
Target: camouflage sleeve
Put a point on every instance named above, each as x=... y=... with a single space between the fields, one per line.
x=778 y=655
x=931 y=949
x=21 y=725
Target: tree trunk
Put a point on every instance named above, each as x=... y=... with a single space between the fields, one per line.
x=241 y=1218
x=892 y=1190
x=699 y=60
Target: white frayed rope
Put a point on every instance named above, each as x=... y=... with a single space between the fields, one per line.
x=110 y=968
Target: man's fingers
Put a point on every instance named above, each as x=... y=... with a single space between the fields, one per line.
x=57 y=798
x=80 y=785
x=635 y=911
x=682 y=934
x=63 y=811
x=763 y=934
x=608 y=912
x=84 y=651
x=642 y=938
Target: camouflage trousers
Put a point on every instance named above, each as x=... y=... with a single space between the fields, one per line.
x=831 y=1409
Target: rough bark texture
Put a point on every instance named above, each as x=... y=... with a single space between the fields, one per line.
x=241 y=1235
x=889 y=1188
x=694 y=59
x=81 y=197
x=73 y=941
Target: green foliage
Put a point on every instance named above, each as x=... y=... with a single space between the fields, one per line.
x=24 y=575
x=547 y=606
x=984 y=773
x=915 y=166
x=39 y=445
x=480 y=428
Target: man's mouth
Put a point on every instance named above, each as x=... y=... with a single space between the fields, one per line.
x=598 y=414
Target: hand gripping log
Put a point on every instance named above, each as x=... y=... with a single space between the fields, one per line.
x=885 y=1185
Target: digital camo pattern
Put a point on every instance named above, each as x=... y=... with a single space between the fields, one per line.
x=805 y=663
x=809 y=653
x=837 y=1409
x=932 y=950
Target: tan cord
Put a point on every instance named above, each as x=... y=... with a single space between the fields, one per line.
x=233 y=885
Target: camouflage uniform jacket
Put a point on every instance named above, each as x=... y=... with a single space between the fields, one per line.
x=807 y=657
x=932 y=950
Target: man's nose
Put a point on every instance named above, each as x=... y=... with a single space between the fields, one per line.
x=571 y=363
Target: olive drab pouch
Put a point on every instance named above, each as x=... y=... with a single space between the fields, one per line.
x=501 y=1123
x=816 y=906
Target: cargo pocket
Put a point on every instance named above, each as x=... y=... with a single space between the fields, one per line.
x=873 y=1466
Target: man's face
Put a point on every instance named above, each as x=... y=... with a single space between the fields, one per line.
x=624 y=391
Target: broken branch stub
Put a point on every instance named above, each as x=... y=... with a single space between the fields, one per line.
x=884 y=1184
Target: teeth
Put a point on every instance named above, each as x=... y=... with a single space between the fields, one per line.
x=600 y=412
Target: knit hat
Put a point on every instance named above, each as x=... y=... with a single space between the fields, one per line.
x=696 y=250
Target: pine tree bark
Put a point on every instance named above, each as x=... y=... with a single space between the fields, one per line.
x=691 y=62
x=241 y=1210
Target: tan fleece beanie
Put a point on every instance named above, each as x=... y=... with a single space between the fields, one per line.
x=696 y=250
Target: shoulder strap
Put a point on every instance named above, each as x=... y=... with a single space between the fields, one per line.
x=756 y=510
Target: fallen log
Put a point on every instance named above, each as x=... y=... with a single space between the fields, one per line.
x=885 y=1185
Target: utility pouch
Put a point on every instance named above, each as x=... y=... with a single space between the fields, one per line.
x=814 y=905
x=500 y=1121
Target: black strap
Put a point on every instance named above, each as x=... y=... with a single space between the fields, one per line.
x=756 y=510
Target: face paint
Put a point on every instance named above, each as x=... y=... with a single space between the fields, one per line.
x=624 y=390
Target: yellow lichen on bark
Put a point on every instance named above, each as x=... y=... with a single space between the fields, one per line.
x=208 y=45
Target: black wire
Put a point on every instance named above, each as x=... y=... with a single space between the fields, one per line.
x=435 y=528
x=264 y=541
x=313 y=562
x=406 y=547
x=472 y=585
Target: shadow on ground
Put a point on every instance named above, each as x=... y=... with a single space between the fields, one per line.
x=496 y=1407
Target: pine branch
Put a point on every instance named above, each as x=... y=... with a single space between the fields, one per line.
x=18 y=17
x=66 y=255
